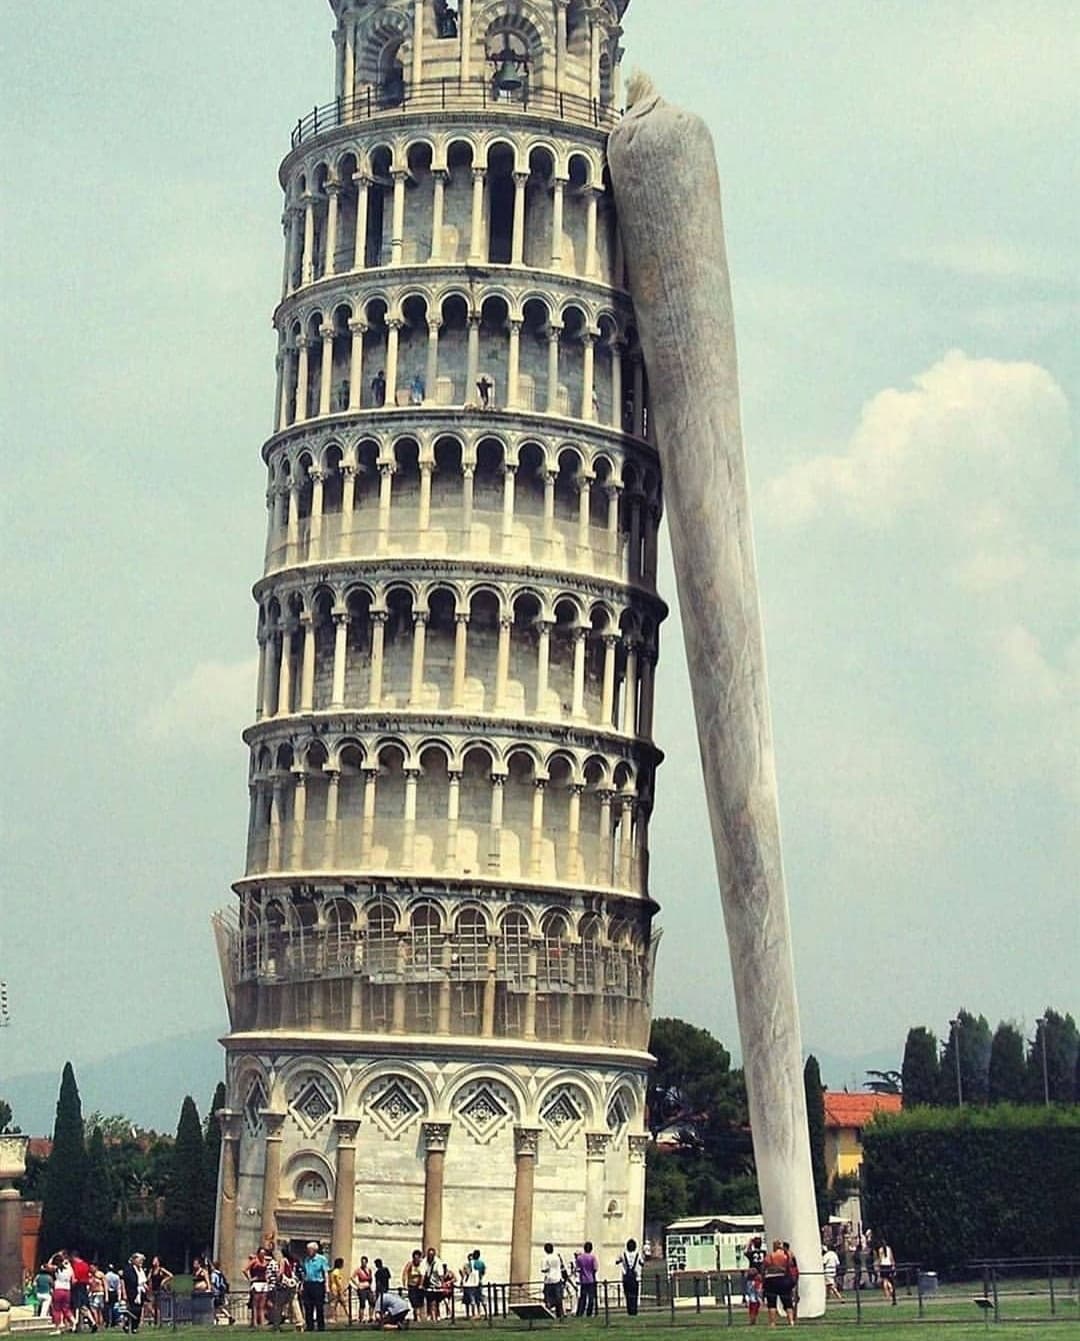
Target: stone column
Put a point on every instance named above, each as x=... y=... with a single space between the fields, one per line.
x=341 y=644
x=465 y=31
x=329 y=859
x=553 y=370
x=626 y=843
x=526 y=1147
x=333 y=195
x=271 y=680
x=356 y=364
x=542 y=666
x=296 y=849
x=393 y=329
x=596 y=36
x=517 y=246
x=453 y=810
x=386 y=484
x=636 y=1147
x=605 y=798
x=418 y=53
x=438 y=208
x=292 y=520
x=560 y=43
x=467 y=474
x=476 y=237
x=550 y=476
x=378 y=639
x=367 y=825
x=607 y=699
x=260 y=683
x=591 y=203
x=397 y=225
x=12 y=1166
x=498 y=783
x=614 y=492
x=645 y=701
x=341 y=1236
x=295 y=244
x=513 y=367
x=509 y=475
x=363 y=184
x=431 y=372
x=634 y=570
x=285 y=672
x=557 y=223
x=472 y=360
x=596 y=1147
x=584 y=501
x=536 y=828
x=461 y=653
x=307 y=268
x=578 y=708
x=273 y=862
x=273 y=1123
x=348 y=503
x=629 y=703
x=639 y=393
x=588 y=375
x=349 y=71
x=416 y=679
x=436 y=1135
x=318 y=479
x=616 y=385
x=502 y=662
x=573 y=831
x=225 y=1235
x=423 y=519
x=301 y=409
x=487 y=1016
x=326 y=370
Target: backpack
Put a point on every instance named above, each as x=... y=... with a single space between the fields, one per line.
x=218 y=1282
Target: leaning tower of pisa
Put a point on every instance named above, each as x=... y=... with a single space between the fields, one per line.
x=438 y=967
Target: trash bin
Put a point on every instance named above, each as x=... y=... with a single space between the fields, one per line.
x=927 y=1282
x=202 y=1309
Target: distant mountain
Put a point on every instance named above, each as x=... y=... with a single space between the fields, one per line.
x=146 y=1083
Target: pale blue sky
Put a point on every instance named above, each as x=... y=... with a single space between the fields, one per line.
x=903 y=227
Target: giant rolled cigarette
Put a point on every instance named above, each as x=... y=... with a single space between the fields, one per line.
x=667 y=190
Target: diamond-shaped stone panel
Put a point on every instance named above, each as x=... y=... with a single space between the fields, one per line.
x=312 y=1105
x=562 y=1115
x=253 y=1104
x=395 y=1106
x=484 y=1109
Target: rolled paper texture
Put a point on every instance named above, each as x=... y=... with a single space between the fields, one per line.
x=667 y=191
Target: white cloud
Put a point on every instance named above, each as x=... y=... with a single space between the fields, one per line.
x=968 y=429
x=206 y=710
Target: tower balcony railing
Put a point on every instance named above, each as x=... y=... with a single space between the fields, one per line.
x=451 y=95
x=400 y=848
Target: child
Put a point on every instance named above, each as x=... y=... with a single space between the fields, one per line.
x=753 y=1294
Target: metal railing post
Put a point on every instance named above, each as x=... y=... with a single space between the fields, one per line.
x=993 y=1282
x=858 y=1296
x=1050 y=1280
x=607 y=1307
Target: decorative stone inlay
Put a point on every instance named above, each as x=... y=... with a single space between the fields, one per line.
x=436 y=1135
x=484 y=1110
x=562 y=1115
x=618 y=1114
x=311 y=1105
x=253 y=1106
x=396 y=1105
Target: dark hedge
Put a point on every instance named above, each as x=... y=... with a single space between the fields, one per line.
x=948 y=1186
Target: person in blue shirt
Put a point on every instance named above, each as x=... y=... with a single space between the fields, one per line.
x=315 y=1268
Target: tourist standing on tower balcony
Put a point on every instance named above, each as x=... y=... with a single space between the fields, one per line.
x=486 y=386
x=553 y=1274
x=417 y=390
x=629 y=1262
x=378 y=389
x=587 y=1267
x=315 y=1269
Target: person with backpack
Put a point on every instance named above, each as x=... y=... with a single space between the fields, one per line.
x=629 y=1262
x=219 y=1286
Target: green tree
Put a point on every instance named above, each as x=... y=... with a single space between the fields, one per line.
x=920 y=1072
x=815 y=1124
x=5 y=1119
x=65 y=1177
x=969 y=1035
x=883 y=1082
x=97 y=1202
x=693 y=1082
x=1008 y=1072
x=667 y=1191
x=211 y=1159
x=184 y=1201
x=1061 y=1054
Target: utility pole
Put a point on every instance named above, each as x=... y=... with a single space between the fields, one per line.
x=1040 y=1025
x=954 y=1025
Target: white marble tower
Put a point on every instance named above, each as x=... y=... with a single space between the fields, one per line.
x=439 y=966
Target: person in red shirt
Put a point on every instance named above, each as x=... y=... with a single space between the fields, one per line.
x=80 y=1286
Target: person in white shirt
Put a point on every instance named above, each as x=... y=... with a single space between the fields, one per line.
x=830 y=1264
x=552 y=1273
x=629 y=1262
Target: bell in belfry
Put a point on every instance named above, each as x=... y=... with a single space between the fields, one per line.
x=508 y=70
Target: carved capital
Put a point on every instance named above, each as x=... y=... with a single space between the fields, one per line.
x=596 y=1144
x=436 y=1136
x=636 y=1147
x=230 y=1124
x=526 y=1142
x=346 y=1129
x=273 y=1121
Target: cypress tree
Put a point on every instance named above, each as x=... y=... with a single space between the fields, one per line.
x=65 y=1176
x=815 y=1123
x=211 y=1160
x=970 y=1037
x=1008 y=1072
x=185 y=1201
x=1061 y=1059
x=920 y=1072
x=97 y=1202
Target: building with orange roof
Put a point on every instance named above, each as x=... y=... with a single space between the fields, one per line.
x=845 y=1117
